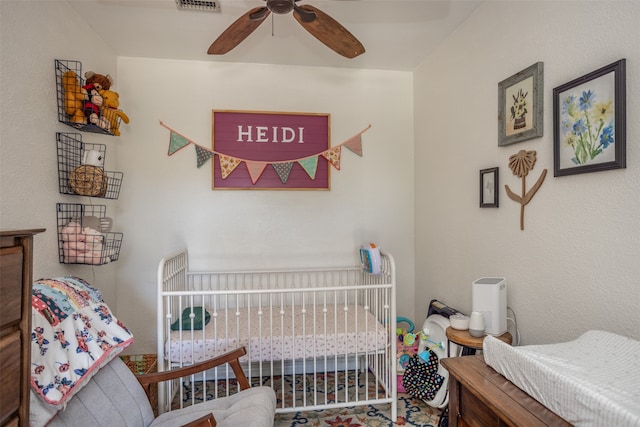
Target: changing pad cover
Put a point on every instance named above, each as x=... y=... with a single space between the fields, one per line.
x=591 y=381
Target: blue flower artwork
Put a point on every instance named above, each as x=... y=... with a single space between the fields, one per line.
x=587 y=125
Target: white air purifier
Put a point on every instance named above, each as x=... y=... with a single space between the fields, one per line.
x=489 y=296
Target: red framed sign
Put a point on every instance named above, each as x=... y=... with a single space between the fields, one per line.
x=270 y=150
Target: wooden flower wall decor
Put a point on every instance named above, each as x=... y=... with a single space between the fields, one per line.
x=520 y=164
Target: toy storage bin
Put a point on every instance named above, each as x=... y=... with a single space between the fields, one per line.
x=69 y=78
x=80 y=240
x=77 y=178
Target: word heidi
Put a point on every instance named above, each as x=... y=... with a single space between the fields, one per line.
x=284 y=134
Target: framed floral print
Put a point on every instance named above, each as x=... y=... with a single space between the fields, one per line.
x=520 y=105
x=589 y=122
x=489 y=188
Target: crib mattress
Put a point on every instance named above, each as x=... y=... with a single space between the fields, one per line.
x=591 y=381
x=297 y=333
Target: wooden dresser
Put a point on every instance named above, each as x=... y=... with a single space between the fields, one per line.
x=16 y=269
x=481 y=397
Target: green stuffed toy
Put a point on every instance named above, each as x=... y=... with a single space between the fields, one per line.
x=186 y=319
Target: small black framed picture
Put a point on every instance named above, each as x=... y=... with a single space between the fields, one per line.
x=489 y=188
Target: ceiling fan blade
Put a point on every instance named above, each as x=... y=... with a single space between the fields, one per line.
x=238 y=31
x=328 y=31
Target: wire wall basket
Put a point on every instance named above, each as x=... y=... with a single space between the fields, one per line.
x=80 y=170
x=74 y=103
x=84 y=235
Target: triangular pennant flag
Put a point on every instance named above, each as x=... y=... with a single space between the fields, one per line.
x=333 y=156
x=177 y=142
x=310 y=166
x=354 y=144
x=283 y=170
x=255 y=170
x=227 y=165
x=202 y=155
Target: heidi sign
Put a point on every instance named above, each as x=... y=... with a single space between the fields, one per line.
x=270 y=150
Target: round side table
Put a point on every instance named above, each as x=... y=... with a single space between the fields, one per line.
x=469 y=343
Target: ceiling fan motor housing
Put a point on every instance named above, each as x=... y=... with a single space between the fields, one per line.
x=280 y=7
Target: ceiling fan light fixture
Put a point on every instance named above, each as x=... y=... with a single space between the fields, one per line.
x=208 y=5
x=280 y=7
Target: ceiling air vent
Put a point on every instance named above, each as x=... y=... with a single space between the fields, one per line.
x=210 y=5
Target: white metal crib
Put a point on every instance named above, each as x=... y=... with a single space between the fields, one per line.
x=323 y=337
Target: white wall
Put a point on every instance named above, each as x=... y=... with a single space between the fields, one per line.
x=33 y=34
x=564 y=277
x=575 y=266
x=167 y=202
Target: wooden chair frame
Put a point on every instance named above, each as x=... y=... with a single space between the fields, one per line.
x=232 y=358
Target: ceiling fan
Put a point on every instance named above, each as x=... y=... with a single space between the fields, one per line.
x=316 y=22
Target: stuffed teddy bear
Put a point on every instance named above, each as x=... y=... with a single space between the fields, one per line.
x=74 y=97
x=99 y=81
x=91 y=107
x=111 y=112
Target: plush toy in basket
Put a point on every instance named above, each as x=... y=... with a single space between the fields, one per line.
x=83 y=241
x=92 y=106
x=74 y=97
x=110 y=111
x=93 y=102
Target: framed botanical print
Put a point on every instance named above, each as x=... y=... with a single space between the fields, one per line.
x=520 y=105
x=589 y=122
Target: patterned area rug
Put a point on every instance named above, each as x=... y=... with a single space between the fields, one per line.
x=411 y=412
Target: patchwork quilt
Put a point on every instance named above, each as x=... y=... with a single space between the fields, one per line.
x=73 y=334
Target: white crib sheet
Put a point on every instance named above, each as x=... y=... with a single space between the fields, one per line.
x=294 y=335
x=591 y=381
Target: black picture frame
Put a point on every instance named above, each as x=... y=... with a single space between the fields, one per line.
x=521 y=106
x=589 y=122
x=489 y=181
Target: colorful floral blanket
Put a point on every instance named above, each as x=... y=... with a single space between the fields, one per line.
x=73 y=334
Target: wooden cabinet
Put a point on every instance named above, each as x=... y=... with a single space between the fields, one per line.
x=16 y=264
x=481 y=397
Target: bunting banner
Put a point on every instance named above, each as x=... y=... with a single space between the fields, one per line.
x=228 y=164
x=333 y=156
x=283 y=170
x=310 y=166
x=177 y=142
x=355 y=143
x=202 y=156
x=255 y=170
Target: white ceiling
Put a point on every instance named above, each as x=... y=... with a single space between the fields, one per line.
x=397 y=34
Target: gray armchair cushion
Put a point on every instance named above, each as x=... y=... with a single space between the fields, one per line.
x=253 y=407
x=114 y=398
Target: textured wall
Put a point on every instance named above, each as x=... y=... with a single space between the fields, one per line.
x=575 y=265
x=167 y=202
x=34 y=34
